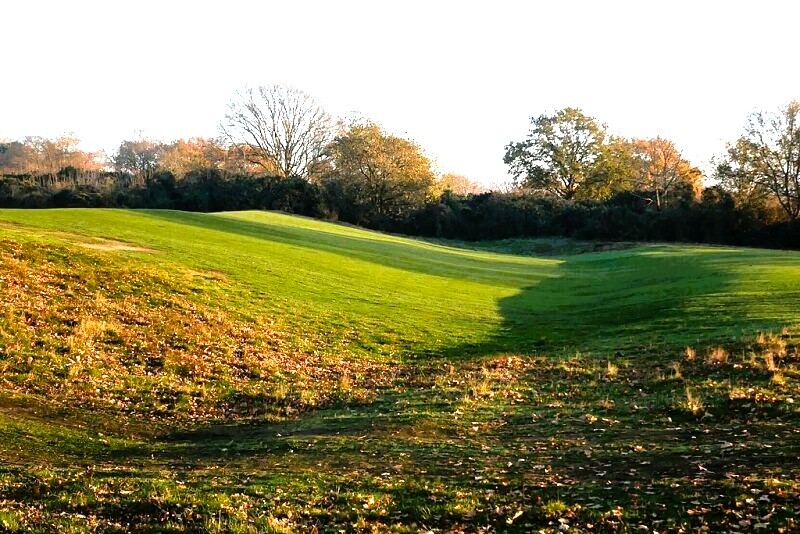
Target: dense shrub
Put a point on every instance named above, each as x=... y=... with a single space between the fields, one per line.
x=628 y=216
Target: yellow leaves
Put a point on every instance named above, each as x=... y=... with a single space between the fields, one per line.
x=662 y=165
x=457 y=184
x=514 y=517
x=382 y=172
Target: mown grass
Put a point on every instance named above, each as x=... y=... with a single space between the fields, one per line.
x=255 y=372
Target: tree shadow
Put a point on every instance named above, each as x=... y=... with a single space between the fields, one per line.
x=609 y=301
x=638 y=300
x=612 y=301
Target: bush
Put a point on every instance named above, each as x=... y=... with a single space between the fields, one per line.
x=628 y=216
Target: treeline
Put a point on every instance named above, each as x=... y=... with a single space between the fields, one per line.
x=280 y=151
x=714 y=217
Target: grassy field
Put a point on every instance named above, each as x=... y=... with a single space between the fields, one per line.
x=254 y=372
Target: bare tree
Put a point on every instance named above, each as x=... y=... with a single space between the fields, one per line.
x=773 y=140
x=285 y=129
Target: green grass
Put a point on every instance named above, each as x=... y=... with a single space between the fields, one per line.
x=254 y=372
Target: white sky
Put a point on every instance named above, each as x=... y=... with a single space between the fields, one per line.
x=460 y=78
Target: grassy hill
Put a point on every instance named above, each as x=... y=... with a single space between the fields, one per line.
x=253 y=371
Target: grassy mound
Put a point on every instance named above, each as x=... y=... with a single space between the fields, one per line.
x=254 y=372
x=94 y=332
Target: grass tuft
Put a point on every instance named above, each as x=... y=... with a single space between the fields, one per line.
x=612 y=371
x=694 y=402
x=717 y=356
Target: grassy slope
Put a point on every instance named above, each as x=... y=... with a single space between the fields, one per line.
x=410 y=443
x=428 y=296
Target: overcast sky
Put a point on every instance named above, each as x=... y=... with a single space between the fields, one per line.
x=460 y=78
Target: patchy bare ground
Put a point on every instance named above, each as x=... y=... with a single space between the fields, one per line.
x=115 y=246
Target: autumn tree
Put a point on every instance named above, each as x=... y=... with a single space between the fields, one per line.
x=285 y=129
x=560 y=154
x=660 y=168
x=140 y=157
x=42 y=156
x=383 y=175
x=184 y=156
x=766 y=158
x=16 y=158
x=458 y=184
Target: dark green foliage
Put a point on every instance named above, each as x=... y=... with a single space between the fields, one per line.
x=627 y=215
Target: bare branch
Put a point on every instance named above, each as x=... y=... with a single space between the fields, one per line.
x=285 y=129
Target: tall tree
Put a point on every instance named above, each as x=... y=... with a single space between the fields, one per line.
x=661 y=168
x=140 y=157
x=559 y=155
x=17 y=158
x=285 y=129
x=767 y=157
x=739 y=175
x=384 y=175
x=617 y=169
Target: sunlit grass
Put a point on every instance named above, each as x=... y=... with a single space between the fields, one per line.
x=254 y=372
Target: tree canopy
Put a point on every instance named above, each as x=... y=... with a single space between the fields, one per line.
x=559 y=155
x=766 y=158
x=660 y=168
x=140 y=157
x=384 y=175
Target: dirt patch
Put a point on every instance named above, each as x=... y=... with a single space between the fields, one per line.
x=206 y=275
x=115 y=246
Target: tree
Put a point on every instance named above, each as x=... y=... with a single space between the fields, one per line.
x=738 y=174
x=617 y=169
x=42 y=156
x=285 y=129
x=140 y=157
x=661 y=168
x=767 y=158
x=559 y=155
x=458 y=184
x=16 y=158
x=182 y=157
x=383 y=175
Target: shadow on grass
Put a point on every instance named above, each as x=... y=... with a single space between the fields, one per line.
x=609 y=301
x=624 y=302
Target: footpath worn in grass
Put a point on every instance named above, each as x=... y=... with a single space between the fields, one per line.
x=255 y=372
